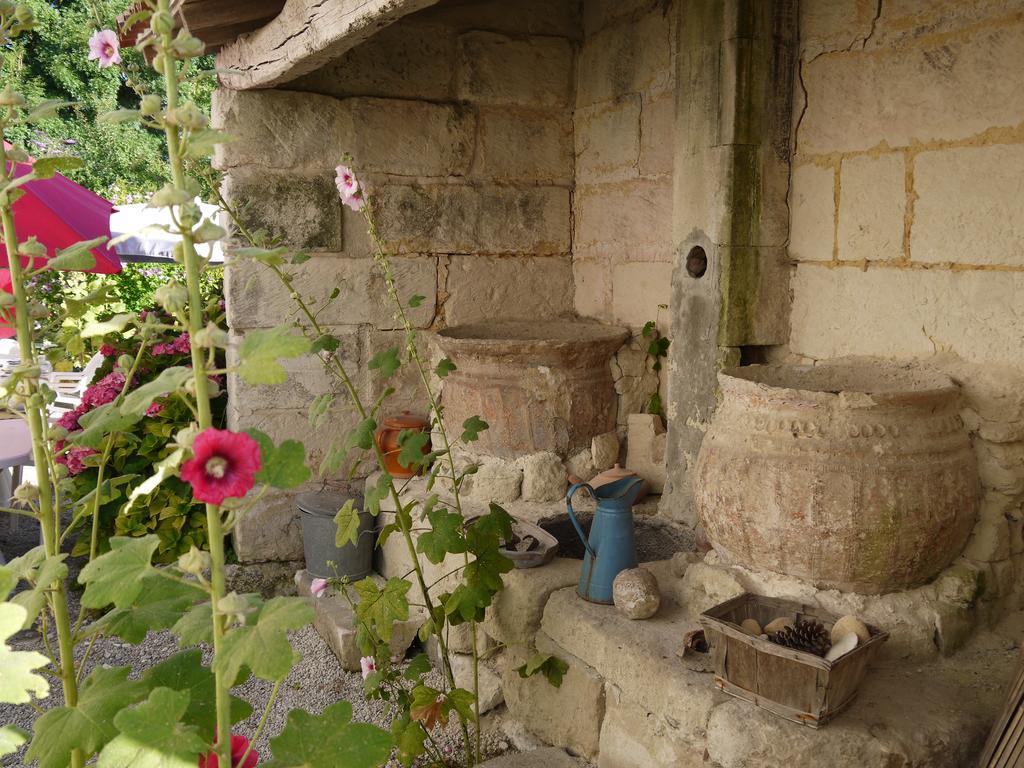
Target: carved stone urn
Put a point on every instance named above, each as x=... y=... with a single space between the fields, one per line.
x=856 y=475
x=541 y=386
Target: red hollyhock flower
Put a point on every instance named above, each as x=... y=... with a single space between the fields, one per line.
x=238 y=746
x=223 y=465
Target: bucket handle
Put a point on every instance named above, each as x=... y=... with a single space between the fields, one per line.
x=572 y=515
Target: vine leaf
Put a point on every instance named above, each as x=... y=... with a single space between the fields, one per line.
x=159 y=604
x=283 y=466
x=90 y=724
x=552 y=667
x=445 y=535
x=185 y=672
x=260 y=351
x=18 y=679
x=329 y=740
x=137 y=401
x=472 y=427
x=347 y=521
x=381 y=608
x=117 y=576
x=412 y=443
x=444 y=367
x=40 y=572
x=152 y=736
x=11 y=739
x=263 y=646
x=374 y=494
x=386 y=362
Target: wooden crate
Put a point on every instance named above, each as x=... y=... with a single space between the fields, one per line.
x=796 y=685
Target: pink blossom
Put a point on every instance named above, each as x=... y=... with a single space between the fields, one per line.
x=103 y=391
x=180 y=346
x=105 y=46
x=349 y=188
x=154 y=409
x=317 y=587
x=223 y=465
x=367 y=665
x=74 y=459
x=69 y=420
x=355 y=201
x=239 y=745
x=108 y=351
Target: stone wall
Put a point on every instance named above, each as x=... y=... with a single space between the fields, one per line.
x=460 y=120
x=907 y=228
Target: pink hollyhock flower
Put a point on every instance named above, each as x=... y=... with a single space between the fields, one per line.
x=105 y=46
x=349 y=189
x=355 y=201
x=223 y=465
x=367 y=665
x=239 y=744
x=317 y=587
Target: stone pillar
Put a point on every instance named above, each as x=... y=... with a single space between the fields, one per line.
x=730 y=280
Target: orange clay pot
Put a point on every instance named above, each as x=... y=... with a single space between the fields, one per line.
x=386 y=438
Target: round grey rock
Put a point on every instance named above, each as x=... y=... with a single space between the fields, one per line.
x=636 y=594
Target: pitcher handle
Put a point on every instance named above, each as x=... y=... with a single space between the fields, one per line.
x=572 y=515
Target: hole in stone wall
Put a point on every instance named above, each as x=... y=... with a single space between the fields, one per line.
x=696 y=262
x=753 y=354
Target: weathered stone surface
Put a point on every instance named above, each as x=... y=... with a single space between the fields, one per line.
x=635 y=379
x=638 y=288
x=515 y=615
x=543 y=477
x=635 y=592
x=608 y=140
x=903 y=313
x=872 y=202
x=336 y=623
x=631 y=736
x=270 y=530
x=581 y=465
x=525 y=17
x=964 y=212
x=604 y=450
x=498 y=69
x=542 y=708
x=812 y=198
x=257 y=299
x=598 y=14
x=525 y=146
x=465 y=219
x=593 y=294
x=491 y=694
x=304 y=211
x=408 y=392
x=646 y=449
x=627 y=658
x=948 y=91
x=270 y=579
x=845 y=465
x=657 y=125
x=548 y=757
x=496 y=480
x=515 y=288
x=630 y=57
x=405 y=61
x=636 y=215
x=703 y=586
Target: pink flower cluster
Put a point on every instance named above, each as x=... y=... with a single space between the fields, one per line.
x=180 y=346
x=349 y=188
x=108 y=351
x=103 y=391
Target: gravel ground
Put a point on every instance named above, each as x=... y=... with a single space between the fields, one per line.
x=314 y=683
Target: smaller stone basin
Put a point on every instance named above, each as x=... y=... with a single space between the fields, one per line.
x=655 y=539
x=541 y=386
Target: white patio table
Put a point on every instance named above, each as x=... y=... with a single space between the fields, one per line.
x=15 y=453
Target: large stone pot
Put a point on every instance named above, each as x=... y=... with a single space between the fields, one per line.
x=541 y=386
x=856 y=475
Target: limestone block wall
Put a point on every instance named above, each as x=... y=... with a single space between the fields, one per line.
x=907 y=228
x=460 y=120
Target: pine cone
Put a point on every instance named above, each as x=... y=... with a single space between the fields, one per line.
x=805 y=635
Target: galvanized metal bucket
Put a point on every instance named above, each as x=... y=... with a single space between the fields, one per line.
x=324 y=559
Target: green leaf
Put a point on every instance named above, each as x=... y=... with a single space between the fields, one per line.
x=552 y=667
x=152 y=736
x=117 y=576
x=283 y=466
x=261 y=350
x=45 y=110
x=472 y=427
x=386 y=362
x=202 y=143
x=444 y=367
x=362 y=435
x=467 y=602
x=118 y=116
x=115 y=324
x=496 y=524
x=301 y=257
x=329 y=740
x=381 y=608
x=374 y=494
x=185 y=672
x=19 y=682
x=164 y=468
x=159 y=605
x=269 y=256
x=170 y=379
x=90 y=724
x=415 y=301
x=40 y=572
x=76 y=258
x=263 y=645
x=11 y=739
x=168 y=196
x=195 y=627
x=325 y=343
x=8 y=580
x=347 y=522
x=98 y=424
x=419 y=666
x=412 y=443
x=648 y=329
x=320 y=409
x=444 y=537
x=462 y=701
x=410 y=743
x=48 y=167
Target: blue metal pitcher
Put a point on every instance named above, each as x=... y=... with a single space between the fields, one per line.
x=611 y=547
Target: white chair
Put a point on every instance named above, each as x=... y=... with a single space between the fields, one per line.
x=71 y=385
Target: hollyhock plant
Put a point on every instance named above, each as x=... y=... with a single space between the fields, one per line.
x=105 y=46
x=367 y=665
x=239 y=745
x=223 y=465
x=348 y=188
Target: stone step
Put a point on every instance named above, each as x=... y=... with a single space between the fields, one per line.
x=550 y=757
x=336 y=623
